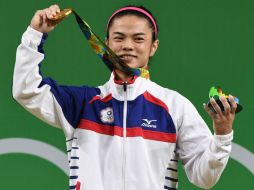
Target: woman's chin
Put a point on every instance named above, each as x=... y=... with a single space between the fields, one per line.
x=132 y=65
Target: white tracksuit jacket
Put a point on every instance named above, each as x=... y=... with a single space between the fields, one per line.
x=121 y=139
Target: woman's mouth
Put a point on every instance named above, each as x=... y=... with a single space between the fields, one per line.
x=127 y=57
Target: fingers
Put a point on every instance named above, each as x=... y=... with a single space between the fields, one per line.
x=209 y=111
x=225 y=104
x=42 y=19
x=55 y=8
x=229 y=106
x=52 y=11
x=232 y=103
x=222 y=120
x=216 y=107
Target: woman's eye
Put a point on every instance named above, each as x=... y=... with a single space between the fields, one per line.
x=118 y=38
x=139 y=39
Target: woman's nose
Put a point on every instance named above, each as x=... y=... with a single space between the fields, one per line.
x=127 y=45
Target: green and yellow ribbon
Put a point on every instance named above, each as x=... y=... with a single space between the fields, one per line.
x=111 y=60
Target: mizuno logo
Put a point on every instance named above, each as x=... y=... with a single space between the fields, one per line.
x=148 y=123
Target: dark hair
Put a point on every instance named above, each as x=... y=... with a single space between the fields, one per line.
x=138 y=14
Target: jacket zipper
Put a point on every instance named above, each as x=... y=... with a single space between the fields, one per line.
x=124 y=133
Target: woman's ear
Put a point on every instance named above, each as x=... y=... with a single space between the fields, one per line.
x=154 y=47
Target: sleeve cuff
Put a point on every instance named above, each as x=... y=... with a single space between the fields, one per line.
x=33 y=38
x=224 y=139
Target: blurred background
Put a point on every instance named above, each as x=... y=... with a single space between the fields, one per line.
x=202 y=43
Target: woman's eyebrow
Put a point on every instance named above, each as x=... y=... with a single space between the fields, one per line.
x=139 y=34
x=136 y=34
x=118 y=33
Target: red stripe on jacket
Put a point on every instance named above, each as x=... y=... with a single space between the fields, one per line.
x=130 y=132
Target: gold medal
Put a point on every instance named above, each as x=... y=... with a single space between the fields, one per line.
x=62 y=14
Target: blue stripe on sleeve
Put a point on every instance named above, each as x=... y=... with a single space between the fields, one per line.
x=71 y=99
x=43 y=39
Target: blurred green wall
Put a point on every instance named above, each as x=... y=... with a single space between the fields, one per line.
x=202 y=43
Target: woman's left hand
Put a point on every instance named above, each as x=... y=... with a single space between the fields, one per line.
x=222 y=120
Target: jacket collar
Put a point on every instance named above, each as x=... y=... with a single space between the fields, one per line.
x=120 y=82
x=135 y=87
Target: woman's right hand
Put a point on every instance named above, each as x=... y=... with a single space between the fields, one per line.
x=41 y=20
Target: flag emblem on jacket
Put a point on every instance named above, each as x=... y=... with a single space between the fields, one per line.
x=107 y=115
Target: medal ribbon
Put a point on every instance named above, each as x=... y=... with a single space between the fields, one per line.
x=111 y=60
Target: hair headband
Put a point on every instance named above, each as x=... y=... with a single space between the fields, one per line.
x=138 y=10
